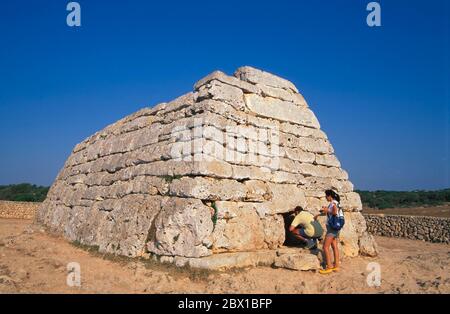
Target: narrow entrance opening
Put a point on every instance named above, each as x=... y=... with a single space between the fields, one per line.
x=290 y=239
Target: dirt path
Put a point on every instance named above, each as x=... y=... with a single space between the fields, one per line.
x=32 y=261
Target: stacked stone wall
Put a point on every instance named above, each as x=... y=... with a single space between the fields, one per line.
x=210 y=172
x=431 y=229
x=18 y=210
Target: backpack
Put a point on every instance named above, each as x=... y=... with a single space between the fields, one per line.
x=338 y=221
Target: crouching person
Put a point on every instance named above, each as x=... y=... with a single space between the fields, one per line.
x=305 y=228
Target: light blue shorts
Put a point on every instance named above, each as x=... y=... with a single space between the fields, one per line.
x=332 y=232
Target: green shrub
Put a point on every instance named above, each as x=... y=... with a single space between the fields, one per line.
x=394 y=199
x=216 y=213
x=23 y=192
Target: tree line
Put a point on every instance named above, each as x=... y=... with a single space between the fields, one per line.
x=394 y=199
x=26 y=192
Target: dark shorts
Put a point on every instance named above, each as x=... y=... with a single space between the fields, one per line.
x=301 y=232
x=332 y=232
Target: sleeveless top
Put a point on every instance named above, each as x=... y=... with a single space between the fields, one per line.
x=330 y=210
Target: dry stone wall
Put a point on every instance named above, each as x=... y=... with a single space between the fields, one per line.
x=431 y=229
x=18 y=210
x=210 y=172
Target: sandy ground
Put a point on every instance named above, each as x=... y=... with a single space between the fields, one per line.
x=32 y=261
x=433 y=211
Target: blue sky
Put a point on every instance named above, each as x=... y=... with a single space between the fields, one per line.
x=381 y=94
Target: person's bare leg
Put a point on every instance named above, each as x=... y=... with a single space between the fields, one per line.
x=334 y=245
x=326 y=250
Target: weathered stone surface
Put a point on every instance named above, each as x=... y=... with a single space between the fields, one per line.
x=299 y=155
x=240 y=230
x=212 y=171
x=257 y=191
x=230 y=80
x=208 y=189
x=256 y=76
x=285 y=197
x=327 y=160
x=274 y=108
x=323 y=184
x=18 y=210
x=274 y=92
x=354 y=238
x=349 y=236
x=181 y=228
x=301 y=261
x=225 y=261
x=314 y=204
x=431 y=229
x=219 y=91
x=274 y=231
x=351 y=201
x=367 y=245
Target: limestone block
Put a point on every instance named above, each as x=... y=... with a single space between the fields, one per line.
x=301 y=261
x=230 y=80
x=367 y=245
x=351 y=201
x=285 y=197
x=281 y=110
x=314 y=204
x=242 y=232
x=225 y=261
x=322 y=171
x=181 y=228
x=183 y=101
x=309 y=144
x=257 y=191
x=283 y=94
x=214 y=168
x=287 y=177
x=358 y=221
x=323 y=184
x=256 y=76
x=250 y=172
x=219 y=91
x=327 y=160
x=208 y=189
x=349 y=237
x=301 y=131
x=274 y=231
x=299 y=155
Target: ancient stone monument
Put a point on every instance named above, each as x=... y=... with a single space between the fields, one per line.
x=208 y=174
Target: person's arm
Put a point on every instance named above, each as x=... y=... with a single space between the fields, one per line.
x=291 y=228
x=322 y=212
x=335 y=210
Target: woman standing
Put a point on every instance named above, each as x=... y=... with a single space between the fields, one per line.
x=333 y=212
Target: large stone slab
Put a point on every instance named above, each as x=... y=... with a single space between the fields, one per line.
x=239 y=228
x=182 y=228
x=255 y=76
x=224 y=261
x=230 y=80
x=301 y=261
x=275 y=108
x=208 y=189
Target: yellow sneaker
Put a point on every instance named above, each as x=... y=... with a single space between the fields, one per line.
x=336 y=269
x=326 y=271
